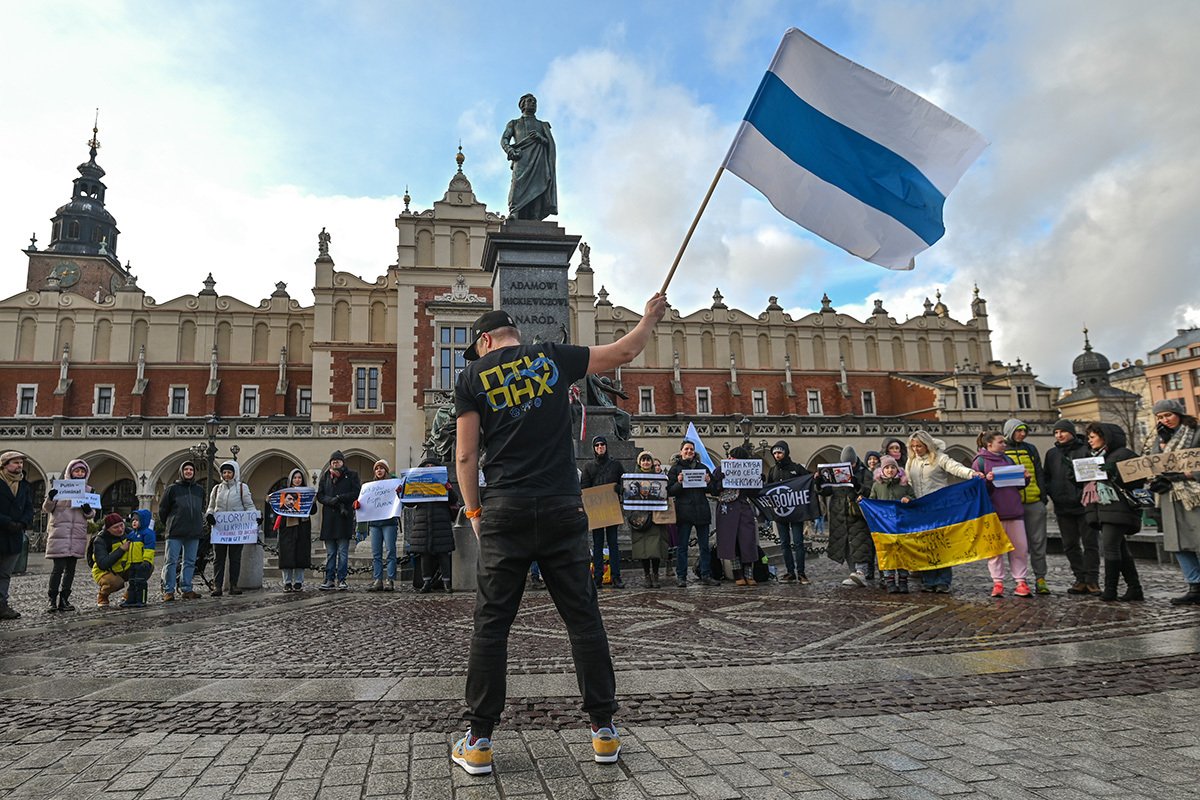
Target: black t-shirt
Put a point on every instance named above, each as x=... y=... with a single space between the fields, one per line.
x=521 y=395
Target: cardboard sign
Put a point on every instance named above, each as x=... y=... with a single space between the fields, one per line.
x=296 y=501
x=377 y=500
x=741 y=473
x=235 y=527
x=425 y=485
x=1009 y=476
x=644 y=491
x=665 y=517
x=602 y=505
x=1136 y=469
x=693 y=478
x=1088 y=469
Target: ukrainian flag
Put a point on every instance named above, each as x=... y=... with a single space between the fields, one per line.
x=951 y=526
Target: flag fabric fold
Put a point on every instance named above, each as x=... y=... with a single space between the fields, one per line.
x=853 y=157
x=954 y=525
x=793 y=500
x=693 y=436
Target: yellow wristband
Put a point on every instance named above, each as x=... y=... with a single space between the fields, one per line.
x=473 y=513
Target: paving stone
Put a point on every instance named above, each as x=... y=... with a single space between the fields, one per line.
x=300 y=790
x=710 y=787
x=850 y=787
x=168 y=788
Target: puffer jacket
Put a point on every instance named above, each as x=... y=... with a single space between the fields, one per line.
x=429 y=527
x=893 y=489
x=936 y=470
x=143 y=540
x=1005 y=499
x=181 y=510
x=230 y=495
x=107 y=555
x=67 y=528
x=337 y=496
x=1027 y=456
x=1109 y=508
x=691 y=505
x=1061 y=487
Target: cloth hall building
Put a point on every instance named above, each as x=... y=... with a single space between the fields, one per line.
x=92 y=367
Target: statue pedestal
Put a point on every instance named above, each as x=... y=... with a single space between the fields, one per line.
x=528 y=261
x=252 y=567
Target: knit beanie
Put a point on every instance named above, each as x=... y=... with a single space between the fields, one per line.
x=382 y=463
x=599 y=440
x=887 y=461
x=337 y=456
x=112 y=519
x=1165 y=406
x=1064 y=425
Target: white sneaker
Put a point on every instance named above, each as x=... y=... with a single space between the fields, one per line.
x=858 y=579
x=849 y=582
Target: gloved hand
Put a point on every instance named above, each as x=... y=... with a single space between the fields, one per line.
x=211 y=520
x=1174 y=477
x=357 y=505
x=86 y=509
x=1160 y=485
x=50 y=495
x=258 y=519
x=16 y=527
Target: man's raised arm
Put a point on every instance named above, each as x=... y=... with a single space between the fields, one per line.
x=604 y=357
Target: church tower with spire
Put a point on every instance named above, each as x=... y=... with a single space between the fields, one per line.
x=82 y=255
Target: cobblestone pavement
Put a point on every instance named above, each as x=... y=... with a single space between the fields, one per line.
x=773 y=691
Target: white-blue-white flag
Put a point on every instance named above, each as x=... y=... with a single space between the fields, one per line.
x=693 y=436
x=858 y=160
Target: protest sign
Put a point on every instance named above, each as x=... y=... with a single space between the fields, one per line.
x=693 y=478
x=86 y=499
x=1088 y=469
x=1009 y=476
x=643 y=491
x=70 y=488
x=377 y=500
x=665 y=517
x=839 y=474
x=296 y=501
x=602 y=505
x=792 y=500
x=235 y=527
x=741 y=473
x=1136 y=469
x=425 y=485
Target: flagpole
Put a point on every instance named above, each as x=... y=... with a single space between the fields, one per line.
x=692 y=229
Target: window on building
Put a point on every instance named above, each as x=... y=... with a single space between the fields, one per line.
x=73 y=229
x=814 y=402
x=970 y=397
x=366 y=388
x=249 y=401
x=102 y=406
x=179 y=401
x=1173 y=382
x=1169 y=355
x=26 y=399
x=758 y=400
x=452 y=341
x=1194 y=351
x=646 y=400
x=868 y=403
x=1024 y=397
x=304 y=401
x=703 y=400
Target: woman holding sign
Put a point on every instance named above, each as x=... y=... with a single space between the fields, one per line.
x=648 y=540
x=1180 y=494
x=1108 y=509
x=737 y=528
x=66 y=535
x=295 y=539
x=228 y=495
x=1006 y=498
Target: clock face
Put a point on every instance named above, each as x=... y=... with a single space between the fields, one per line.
x=115 y=283
x=67 y=273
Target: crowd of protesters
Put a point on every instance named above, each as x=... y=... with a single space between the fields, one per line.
x=1094 y=519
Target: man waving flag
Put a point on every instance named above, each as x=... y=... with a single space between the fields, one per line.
x=858 y=160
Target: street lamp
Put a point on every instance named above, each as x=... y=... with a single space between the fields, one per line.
x=210 y=432
x=747 y=428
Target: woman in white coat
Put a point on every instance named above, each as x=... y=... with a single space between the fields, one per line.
x=930 y=469
x=228 y=495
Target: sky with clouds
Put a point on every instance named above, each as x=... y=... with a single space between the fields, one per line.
x=232 y=132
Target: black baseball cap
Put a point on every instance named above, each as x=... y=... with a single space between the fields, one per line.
x=486 y=324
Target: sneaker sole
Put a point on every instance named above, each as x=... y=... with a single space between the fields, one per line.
x=611 y=759
x=470 y=768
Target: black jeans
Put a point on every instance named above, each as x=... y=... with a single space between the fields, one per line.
x=601 y=536
x=235 y=564
x=1081 y=546
x=62 y=577
x=552 y=531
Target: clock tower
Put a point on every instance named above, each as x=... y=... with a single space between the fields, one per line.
x=82 y=256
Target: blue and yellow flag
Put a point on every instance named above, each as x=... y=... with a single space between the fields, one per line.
x=951 y=526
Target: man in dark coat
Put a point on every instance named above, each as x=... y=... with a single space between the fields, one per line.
x=16 y=515
x=791 y=534
x=181 y=521
x=692 y=512
x=337 y=491
x=1080 y=541
x=601 y=470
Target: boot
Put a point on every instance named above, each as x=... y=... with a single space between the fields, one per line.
x=427 y=586
x=64 y=602
x=1112 y=576
x=1133 y=585
x=233 y=588
x=376 y=586
x=53 y=606
x=1192 y=598
x=218 y=589
x=446 y=587
x=7 y=611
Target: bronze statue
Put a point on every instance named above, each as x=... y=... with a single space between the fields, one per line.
x=530 y=147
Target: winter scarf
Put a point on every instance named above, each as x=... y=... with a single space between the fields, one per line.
x=1186 y=492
